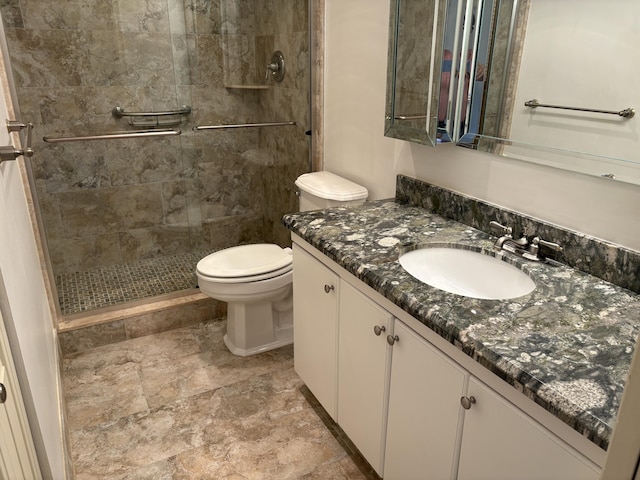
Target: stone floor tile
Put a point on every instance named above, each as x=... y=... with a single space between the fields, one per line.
x=177 y=405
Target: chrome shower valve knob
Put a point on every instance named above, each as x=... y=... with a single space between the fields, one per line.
x=276 y=67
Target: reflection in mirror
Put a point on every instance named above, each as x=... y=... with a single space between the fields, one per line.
x=497 y=55
x=415 y=54
x=466 y=48
x=480 y=38
x=430 y=95
x=584 y=60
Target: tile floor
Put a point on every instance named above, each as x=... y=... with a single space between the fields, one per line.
x=178 y=405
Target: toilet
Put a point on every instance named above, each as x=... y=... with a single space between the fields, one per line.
x=256 y=280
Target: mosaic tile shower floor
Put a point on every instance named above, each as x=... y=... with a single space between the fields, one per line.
x=108 y=286
x=178 y=405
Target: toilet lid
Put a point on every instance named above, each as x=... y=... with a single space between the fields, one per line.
x=246 y=261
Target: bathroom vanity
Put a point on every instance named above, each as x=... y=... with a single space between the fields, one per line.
x=422 y=380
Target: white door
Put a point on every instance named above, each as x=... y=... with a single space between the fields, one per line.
x=315 y=327
x=363 y=367
x=17 y=452
x=424 y=410
x=500 y=442
x=29 y=321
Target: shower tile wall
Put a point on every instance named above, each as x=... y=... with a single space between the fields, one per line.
x=113 y=202
x=283 y=25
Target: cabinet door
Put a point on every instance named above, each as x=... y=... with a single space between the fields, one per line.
x=363 y=354
x=424 y=410
x=315 y=327
x=501 y=442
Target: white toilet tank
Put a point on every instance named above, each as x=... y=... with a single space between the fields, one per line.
x=325 y=189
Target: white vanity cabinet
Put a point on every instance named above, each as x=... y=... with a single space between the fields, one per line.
x=363 y=370
x=402 y=405
x=315 y=332
x=424 y=410
x=500 y=442
x=338 y=354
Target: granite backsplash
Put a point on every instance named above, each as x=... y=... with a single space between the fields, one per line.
x=605 y=260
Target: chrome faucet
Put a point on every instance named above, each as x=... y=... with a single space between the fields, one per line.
x=522 y=247
x=506 y=241
x=506 y=230
x=537 y=242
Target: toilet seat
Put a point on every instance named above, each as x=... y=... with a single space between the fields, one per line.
x=247 y=279
x=246 y=263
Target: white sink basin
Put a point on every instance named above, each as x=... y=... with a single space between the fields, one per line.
x=468 y=273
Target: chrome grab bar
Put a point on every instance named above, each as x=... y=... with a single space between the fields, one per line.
x=119 y=112
x=626 y=113
x=242 y=125
x=113 y=136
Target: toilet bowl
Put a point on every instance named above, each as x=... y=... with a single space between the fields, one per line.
x=256 y=280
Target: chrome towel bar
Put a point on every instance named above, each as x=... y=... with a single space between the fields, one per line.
x=410 y=117
x=119 y=112
x=113 y=136
x=242 y=125
x=626 y=113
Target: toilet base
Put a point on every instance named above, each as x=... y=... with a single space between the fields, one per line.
x=258 y=327
x=286 y=339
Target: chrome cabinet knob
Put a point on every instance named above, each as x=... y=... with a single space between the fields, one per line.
x=378 y=329
x=3 y=393
x=391 y=339
x=329 y=288
x=466 y=402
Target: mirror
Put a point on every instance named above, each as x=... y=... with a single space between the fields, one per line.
x=467 y=44
x=492 y=58
x=415 y=55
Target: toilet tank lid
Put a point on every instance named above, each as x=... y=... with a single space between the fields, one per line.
x=331 y=186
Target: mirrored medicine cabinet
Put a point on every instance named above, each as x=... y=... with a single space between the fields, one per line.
x=543 y=81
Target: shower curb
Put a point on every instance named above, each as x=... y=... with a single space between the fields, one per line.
x=80 y=332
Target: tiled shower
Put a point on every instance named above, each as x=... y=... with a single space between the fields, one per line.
x=127 y=219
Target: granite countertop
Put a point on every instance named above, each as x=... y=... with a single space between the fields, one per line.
x=567 y=345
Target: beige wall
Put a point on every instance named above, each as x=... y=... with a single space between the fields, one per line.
x=592 y=67
x=355 y=146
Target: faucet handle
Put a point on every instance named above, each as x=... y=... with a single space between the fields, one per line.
x=498 y=226
x=534 y=252
x=551 y=245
